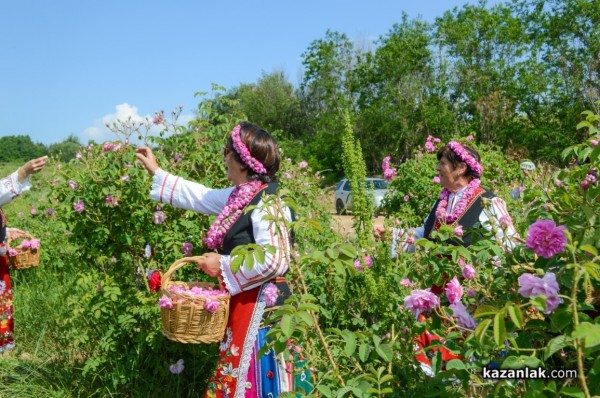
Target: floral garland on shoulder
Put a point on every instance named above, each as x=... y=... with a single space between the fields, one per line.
x=441 y=213
x=237 y=201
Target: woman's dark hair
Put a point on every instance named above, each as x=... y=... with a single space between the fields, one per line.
x=454 y=160
x=262 y=147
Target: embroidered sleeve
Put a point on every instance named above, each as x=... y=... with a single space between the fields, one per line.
x=267 y=233
x=494 y=218
x=11 y=187
x=189 y=195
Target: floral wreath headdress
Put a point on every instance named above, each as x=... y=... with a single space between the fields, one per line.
x=466 y=157
x=244 y=153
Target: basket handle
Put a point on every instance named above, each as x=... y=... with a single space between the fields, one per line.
x=25 y=235
x=175 y=266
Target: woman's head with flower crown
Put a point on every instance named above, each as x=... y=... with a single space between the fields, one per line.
x=458 y=154
x=256 y=150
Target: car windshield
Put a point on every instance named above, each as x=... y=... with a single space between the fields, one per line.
x=377 y=184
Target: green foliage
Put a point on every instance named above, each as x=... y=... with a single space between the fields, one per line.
x=20 y=148
x=355 y=171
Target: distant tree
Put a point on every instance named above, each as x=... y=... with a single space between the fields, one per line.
x=18 y=148
x=67 y=149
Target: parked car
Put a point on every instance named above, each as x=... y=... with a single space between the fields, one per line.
x=343 y=194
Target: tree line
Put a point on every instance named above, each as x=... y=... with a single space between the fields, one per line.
x=516 y=75
x=20 y=148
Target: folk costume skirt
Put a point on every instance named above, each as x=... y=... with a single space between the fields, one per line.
x=240 y=372
x=6 y=308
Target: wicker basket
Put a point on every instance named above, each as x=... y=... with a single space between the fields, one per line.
x=26 y=258
x=187 y=321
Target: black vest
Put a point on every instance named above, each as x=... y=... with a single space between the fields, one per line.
x=2 y=227
x=468 y=219
x=241 y=232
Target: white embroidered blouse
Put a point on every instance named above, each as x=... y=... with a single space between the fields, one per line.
x=10 y=187
x=189 y=195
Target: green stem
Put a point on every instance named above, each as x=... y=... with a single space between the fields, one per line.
x=579 y=343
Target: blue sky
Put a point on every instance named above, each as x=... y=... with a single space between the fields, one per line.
x=69 y=66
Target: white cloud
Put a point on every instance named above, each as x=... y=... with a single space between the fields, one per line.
x=123 y=112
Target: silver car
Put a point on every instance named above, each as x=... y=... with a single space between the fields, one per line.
x=343 y=195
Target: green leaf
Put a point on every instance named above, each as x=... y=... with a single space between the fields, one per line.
x=385 y=352
x=557 y=343
x=499 y=329
x=516 y=316
x=589 y=248
x=326 y=391
x=350 y=340
x=481 y=329
x=590 y=332
x=363 y=352
x=259 y=253
x=572 y=392
x=455 y=364
x=288 y=324
x=485 y=310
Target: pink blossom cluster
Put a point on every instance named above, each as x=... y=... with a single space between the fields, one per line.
x=211 y=303
x=302 y=164
x=421 y=300
x=531 y=286
x=244 y=153
x=430 y=143
x=545 y=238
x=111 y=201
x=79 y=206
x=237 y=201
x=32 y=244
x=159 y=117
x=111 y=146
x=270 y=294
x=388 y=172
x=590 y=179
x=367 y=260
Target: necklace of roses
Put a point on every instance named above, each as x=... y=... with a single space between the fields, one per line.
x=441 y=212
x=237 y=201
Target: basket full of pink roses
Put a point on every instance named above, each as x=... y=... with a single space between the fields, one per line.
x=26 y=252
x=192 y=312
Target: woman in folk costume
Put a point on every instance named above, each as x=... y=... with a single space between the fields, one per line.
x=11 y=187
x=252 y=160
x=460 y=204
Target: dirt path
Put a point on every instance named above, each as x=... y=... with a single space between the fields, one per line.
x=343 y=224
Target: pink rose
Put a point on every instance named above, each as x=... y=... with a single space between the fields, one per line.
x=454 y=290
x=270 y=294
x=531 y=286
x=436 y=179
x=470 y=138
x=303 y=165
x=165 y=302
x=211 y=305
x=458 y=231
x=421 y=300
x=545 y=238
x=468 y=272
x=460 y=312
x=406 y=282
